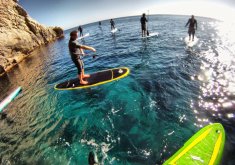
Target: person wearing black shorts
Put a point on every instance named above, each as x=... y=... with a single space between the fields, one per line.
x=112 y=24
x=143 y=21
x=191 y=29
x=80 y=30
x=76 y=52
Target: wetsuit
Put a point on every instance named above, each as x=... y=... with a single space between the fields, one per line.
x=75 y=52
x=112 y=24
x=80 y=30
x=143 y=21
x=192 y=23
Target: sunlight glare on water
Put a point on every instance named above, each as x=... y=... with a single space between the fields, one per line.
x=218 y=72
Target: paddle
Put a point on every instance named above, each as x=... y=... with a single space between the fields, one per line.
x=93 y=55
x=147 y=25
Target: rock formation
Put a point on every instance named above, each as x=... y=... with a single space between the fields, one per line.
x=20 y=34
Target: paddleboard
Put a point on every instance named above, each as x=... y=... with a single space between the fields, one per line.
x=95 y=79
x=84 y=36
x=151 y=35
x=191 y=43
x=114 y=30
x=203 y=148
x=9 y=98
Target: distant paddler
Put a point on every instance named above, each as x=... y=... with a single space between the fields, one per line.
x=143 y=21
x=112 y=24
x=192 y=27
x=80 y=30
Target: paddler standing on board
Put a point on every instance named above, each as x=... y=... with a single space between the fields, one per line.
x=80 y=30
x=191 y=29
x=143 y=21
x=76 y=52
x=112 y=24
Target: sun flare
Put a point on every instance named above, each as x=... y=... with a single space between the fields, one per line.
x=199 y=8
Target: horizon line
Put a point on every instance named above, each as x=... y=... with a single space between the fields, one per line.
x=140 y=15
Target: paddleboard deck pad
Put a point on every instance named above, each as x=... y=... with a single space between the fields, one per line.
x=203 y=148
x=95 y=79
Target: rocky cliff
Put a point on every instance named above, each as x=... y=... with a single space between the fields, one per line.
x=20 y=34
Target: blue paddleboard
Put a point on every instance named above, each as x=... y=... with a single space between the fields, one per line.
x=9 y=98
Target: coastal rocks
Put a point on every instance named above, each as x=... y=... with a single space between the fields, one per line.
x=20 y=34
x=59 y=31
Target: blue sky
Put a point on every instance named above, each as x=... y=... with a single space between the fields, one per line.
x=71 y=13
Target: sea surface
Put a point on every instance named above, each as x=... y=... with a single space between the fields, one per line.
x=171 y=92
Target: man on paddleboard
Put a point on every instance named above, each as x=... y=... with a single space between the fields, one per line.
x=76 y=52
x=80 y=30
x=143 y=21
x=191 y=29
x=112 y=24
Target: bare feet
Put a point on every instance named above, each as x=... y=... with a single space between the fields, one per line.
x=83 y=82
x=86 y=76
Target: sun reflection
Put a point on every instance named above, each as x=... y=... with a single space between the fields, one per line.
x=230 y=115
x=196 y=7
x=217 y=72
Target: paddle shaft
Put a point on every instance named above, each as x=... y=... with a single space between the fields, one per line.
x=93 y=55
x=148 y=24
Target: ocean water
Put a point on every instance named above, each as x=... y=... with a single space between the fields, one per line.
x=172 y=91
